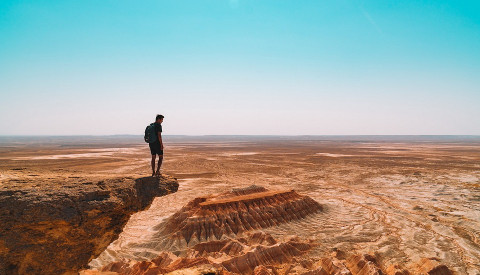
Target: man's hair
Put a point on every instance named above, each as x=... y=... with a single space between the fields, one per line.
x=159 y=117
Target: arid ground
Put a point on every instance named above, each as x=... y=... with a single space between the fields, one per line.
x=402 y=198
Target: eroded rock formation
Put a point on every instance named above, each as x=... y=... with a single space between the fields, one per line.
x=231 y=213
x=269 y=256
x=251 y=254
x=217 y=235
x=368 y=264
x=58 y=227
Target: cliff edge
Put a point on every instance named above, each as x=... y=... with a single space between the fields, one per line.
x=58 y=227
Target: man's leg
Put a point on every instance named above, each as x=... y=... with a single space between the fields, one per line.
x=153 y=164
x=160 y=160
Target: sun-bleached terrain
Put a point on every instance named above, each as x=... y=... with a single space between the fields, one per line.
x=400 y=199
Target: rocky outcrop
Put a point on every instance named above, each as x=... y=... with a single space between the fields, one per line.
x=363 y=265
x=275 y=254
x=58 y=227
x=229 y=214
x=268 y=256
x=251 y=257
x=262 y=270
x=368 y=264
x=432 y=266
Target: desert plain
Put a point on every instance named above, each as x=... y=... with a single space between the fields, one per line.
x=400 y=198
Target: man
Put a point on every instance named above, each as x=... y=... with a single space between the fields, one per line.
x=156 y=148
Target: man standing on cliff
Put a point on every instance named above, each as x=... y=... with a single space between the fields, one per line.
x=156 y=147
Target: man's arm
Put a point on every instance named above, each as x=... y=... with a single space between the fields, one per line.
x=160 y=139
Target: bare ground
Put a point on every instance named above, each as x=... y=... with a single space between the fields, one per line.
x=402 y=199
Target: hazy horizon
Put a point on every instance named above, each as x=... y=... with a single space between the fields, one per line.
x=240 y=67
x=138 y=139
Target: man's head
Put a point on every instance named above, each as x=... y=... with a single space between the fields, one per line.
x=159 y=119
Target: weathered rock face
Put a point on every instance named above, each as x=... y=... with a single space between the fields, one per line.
x=250 y=255
x=367 y=264
x=55 y=228
x=288 y=257
x=229 y=214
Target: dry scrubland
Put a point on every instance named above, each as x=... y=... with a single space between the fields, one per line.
x=401 y=199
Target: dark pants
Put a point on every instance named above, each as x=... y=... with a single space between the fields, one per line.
x=155 y=148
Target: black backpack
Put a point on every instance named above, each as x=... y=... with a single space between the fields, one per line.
x=150 y=135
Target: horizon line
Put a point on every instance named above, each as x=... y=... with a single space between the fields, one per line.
x=250 y=135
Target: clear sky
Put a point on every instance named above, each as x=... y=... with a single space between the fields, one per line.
x=240 y=67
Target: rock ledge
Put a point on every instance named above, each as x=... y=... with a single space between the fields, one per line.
x=58 y=227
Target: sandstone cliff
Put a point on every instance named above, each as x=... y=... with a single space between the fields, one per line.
x=58 y=227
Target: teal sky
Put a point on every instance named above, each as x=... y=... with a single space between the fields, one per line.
x=240 y=67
